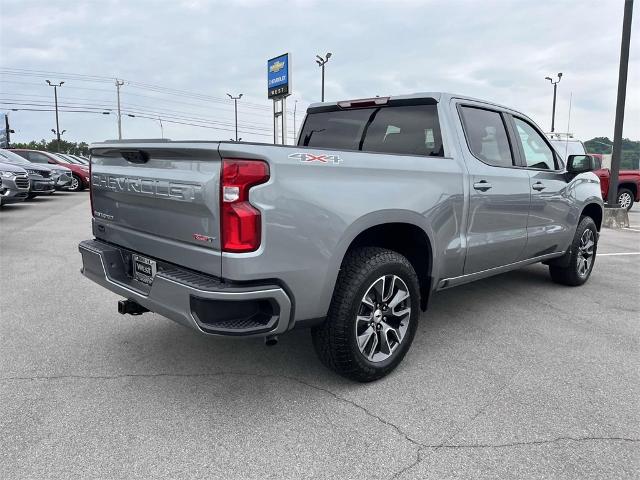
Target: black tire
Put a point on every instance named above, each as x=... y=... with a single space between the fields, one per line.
x=31 y=196
x=76 y=184
x=335 y=341
x=625 y=196
x=573 y=274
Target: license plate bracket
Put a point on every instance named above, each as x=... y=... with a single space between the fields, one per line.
x=144 y=269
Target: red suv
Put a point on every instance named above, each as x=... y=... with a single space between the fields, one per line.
x=80 y=172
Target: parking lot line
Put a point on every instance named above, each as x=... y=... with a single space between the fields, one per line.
x=619 y=253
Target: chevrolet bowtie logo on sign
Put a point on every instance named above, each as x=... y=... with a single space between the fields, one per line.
x=313 y=158
x=276 y=67
x=278 y=76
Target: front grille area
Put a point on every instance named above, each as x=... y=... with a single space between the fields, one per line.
x=45 y=174
x=41 y=186
x=22 y=182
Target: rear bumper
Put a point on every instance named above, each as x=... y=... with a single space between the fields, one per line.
x=204 y=303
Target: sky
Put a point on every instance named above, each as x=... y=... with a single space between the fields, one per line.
x=179 y=58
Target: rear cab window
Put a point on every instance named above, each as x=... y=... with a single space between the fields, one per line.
x=486 y=135
x=403 y=129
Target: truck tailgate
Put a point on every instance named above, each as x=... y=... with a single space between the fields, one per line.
x=159 y=199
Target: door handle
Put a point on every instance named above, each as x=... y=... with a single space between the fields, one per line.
x=538 y=186
x=482 y=185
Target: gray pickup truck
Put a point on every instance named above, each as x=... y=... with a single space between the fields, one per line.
x=381 y=203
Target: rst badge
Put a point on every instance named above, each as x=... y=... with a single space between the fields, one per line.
x=316 y=158
x=202 y=238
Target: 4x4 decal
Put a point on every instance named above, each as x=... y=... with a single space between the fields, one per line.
x=312 y=157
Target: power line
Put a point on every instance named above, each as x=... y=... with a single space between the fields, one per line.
x=141 y=85
x=136 y=108
x=127 y=110
x=227 y=108
x=173 y=119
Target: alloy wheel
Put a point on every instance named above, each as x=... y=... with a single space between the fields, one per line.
x=383 y=318
x=624 y=200
x=586 y=252
x=75 y=184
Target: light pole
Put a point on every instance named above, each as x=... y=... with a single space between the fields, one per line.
x=235 y=104
x=119 y=83
x=555 y=89
x=616 y=153
x=321 y=63
x=58 y=134
x=55 y=94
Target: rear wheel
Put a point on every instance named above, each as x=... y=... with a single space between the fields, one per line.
x=582 y=256
x=625 y=198
x=76 y=183
x=373 y=315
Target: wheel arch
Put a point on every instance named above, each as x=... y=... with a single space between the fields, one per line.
x=593 y=210
x=629 y=186
x=402 y=231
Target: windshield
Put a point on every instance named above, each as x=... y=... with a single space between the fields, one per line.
x=61 y=157
x=405 y=130
x=81 y=161
x=568 y=147
x=14 y=158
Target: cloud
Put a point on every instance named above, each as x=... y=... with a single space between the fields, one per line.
x=498 y=50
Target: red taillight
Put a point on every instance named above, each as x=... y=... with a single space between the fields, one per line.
x=240 y=223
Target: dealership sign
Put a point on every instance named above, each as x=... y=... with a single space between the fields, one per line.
x=278 y=76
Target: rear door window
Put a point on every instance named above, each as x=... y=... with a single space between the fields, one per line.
x=486 y=136
x=406 y=130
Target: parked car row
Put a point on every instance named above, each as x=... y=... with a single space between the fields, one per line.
x=28 y=173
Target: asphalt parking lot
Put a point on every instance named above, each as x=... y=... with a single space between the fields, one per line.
x=510 y=377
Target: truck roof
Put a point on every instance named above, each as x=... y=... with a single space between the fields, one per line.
x=437 y=96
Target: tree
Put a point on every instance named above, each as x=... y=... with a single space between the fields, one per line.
x=74 y=148
x=630 y=150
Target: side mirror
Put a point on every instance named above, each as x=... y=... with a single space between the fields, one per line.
x=580 y=164
x=52 y=162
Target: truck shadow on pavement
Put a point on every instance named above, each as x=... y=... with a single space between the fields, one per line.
x=168 y=347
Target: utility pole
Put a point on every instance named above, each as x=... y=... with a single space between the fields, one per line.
x=295 y=106
x=235 y=104
x=555 y=88
x=119 y=83
x=616 y=154
x=321 y=63
x=55 y=95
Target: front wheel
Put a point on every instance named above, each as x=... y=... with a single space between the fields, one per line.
x=625 y=198
x=76 y=184
x=582 y=256
x=373 y=315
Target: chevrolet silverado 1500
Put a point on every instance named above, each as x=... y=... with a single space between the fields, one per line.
x=381 y=203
